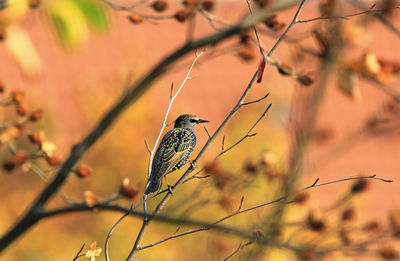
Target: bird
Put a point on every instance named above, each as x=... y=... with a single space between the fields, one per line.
x=174 y=150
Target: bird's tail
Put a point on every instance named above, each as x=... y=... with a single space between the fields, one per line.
x=153 y=186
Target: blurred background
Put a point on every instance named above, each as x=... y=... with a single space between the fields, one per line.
x=73 y=65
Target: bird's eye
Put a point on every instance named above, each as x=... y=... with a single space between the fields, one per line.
x=193 y=120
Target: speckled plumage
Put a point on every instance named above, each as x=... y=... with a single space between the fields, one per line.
x=174 y=150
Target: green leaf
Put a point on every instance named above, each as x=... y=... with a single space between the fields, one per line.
x=95 y=14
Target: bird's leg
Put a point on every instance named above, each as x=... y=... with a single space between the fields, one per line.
x=169 y=186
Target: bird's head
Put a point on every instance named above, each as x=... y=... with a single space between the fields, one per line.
x=187 y=121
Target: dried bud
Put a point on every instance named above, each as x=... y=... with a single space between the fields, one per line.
x=37 y=137
x=372 y=226
x=212 y=168
x=285 y=69
x=389 y=253
x=207 y=5
x=135 y=18
x=53 y=160
x=348 y=214
x=315 y=222
x=394 y=217
x=91 y=198
x=18 y=96
x=246 y=53
x=160 y=5
x=227 y=203
x=83 y=171
x=36 y=115
x=301 y=198
x=305 y=80
x=34 y=3
x=128 y=190
x=2 y=87
x=183 y=14
x=251 y=167
x=22 y=109
x=262 y=3
x=359 y=186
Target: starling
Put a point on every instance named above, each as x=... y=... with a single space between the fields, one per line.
x=174 y=150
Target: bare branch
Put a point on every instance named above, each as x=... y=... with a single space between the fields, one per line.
x=147 y=145
x=240 y=247
x=208 y=134
x=255 y=101
x=112 y=230
x=78 y=254
x=345 y=17
x=240 y=211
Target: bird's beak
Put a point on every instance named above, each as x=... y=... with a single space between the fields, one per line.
x=201 y=121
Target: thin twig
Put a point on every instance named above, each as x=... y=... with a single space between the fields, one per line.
x=338 y=16
x=240 y=247
x=78 y=254
x=112 y=230
x=255 y=101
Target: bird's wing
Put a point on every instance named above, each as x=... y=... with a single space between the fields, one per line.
x=178 y=145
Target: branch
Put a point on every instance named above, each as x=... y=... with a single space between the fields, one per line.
x=112 y=230
x=240 y=211
x=134 y=92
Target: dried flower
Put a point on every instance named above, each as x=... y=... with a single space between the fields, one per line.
x=189 y=2
x=274 y=24
x=93 y=252
x=128 y=190
x=48 y=148
x=258 y=234
x=17 y=160
x=160 y=5
x=83 y=171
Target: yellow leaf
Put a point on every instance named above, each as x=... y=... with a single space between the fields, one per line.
x=69 y=22
x=21 y=48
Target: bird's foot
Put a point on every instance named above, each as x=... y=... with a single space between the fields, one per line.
x=193 y=164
